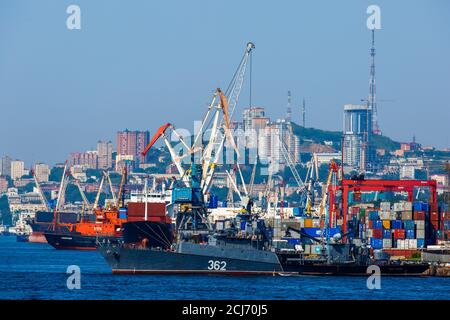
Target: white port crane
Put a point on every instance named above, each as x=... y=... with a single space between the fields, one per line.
x=41 y=194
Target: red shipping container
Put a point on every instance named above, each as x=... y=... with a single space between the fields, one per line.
x=137 y=209
x=370 y=224
x=399 y=234
x=419 y=215
x=154 y=219
x=377 y=233
x=434 y=216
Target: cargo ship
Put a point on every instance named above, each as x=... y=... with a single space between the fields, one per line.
x=43 y=221
x=105 y=223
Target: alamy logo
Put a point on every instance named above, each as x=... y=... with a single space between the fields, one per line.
x=73 y=21
x=74 y=280
x=374 y=280
x=374 y=19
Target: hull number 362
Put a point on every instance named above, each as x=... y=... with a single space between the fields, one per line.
x=217 y=265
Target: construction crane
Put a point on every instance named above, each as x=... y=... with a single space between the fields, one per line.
x=291 y=164
x=121 y=194
x=332 y=176
x=61 y=196
x=161 y=133
x=233 y=92
x=97 y=197
x=86 y=203
x=106 y=173
x=219 y=127
x=41 y=194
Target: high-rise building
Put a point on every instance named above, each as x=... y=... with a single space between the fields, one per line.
x=5 y=168
x=270 y=138
x=104 y=151
x=3 y=185
x=132 y=144
x=17 y=169
x=42 y=172
x=357 y=130
x=88 y=159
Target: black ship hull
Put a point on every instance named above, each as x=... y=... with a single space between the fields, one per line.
x=70 y=241
x=352 y=269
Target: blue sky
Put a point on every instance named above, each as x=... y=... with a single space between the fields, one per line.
x=139 y=64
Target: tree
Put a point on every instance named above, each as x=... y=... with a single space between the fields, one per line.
x=56 y=174
x=94 y=173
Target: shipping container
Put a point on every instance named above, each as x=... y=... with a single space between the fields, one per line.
x=407 y=215
x=154 y=209
x=376 y=243
x=385 y=215
x=385 y=206
x=407 y=206
x=386 y=234
x=410 y=234
x=408 y=224
x=420 y=234
x=419 y=215
x=420 y=225
x=387 y=243
x=386 y=224
x=399 y=234
x=398 y=206
x=308 y=223
x=377 y=233
x=373 y=215
x=396 y=224
x=420 y=243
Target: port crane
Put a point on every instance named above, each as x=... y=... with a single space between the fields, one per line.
x=219 y=127
x=86 y=204
x=40 y=192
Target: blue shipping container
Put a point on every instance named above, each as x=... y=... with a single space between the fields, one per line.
x=243 y=223
x=420 y=243
x=376 y=243
x=373 y=215
x=377 y=224
x=386 y=234
x=409 y=224
x=417 y=206
x=396 y=224
x=410 y=234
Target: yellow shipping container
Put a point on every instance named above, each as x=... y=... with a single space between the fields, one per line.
x=386 y=224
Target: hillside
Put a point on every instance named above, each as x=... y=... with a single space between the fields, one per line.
x=317 y=136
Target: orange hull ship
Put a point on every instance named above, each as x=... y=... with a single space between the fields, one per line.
x=83 y=235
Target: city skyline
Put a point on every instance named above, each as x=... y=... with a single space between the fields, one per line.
x=75 y=87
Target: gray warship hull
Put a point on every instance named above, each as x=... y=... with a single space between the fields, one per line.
x=189 y=258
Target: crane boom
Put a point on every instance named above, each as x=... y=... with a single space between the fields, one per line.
x=83 y=195
x=97 y=197
x=229 y=105
x=41 y=194
x=106 y=173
